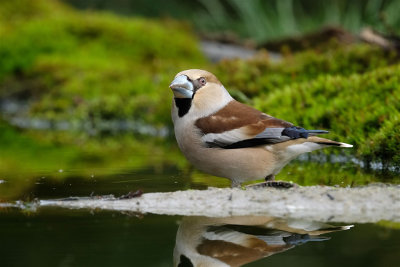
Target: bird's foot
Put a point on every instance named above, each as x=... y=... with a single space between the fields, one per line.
x=274 y=184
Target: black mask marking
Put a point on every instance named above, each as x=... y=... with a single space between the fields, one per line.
x=183 y=105
x=185 y=262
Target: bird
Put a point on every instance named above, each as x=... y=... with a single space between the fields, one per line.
x=225 y=138
x=238 y=240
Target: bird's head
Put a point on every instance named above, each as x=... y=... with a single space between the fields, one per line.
x=189 y=82
x=198 y=88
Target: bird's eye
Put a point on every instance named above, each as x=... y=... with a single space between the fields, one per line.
x=202 y=81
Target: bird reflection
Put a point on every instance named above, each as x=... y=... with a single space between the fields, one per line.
x=235 y=241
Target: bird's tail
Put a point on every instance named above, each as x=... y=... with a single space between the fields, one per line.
x=327 y=142
x=298 y=132
x=316 y=132
x=299 y=239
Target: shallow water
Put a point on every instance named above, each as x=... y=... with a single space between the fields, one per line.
x=53 y=237
x=27 y=185
x=63 y=237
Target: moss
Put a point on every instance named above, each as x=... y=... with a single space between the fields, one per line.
x=87 y=65
x=261 y=75
x=385 y=143
x=358 y=109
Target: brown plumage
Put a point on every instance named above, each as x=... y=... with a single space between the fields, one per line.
x=236 y=255
x=235 y=241
x=226 y=138
x=236 y=115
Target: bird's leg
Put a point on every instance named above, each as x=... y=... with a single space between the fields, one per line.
x=235 y=184
x=270 y=177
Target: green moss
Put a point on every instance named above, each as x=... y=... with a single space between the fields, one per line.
x=94 y=65
x=359 y=109
x=385 y=143
x=261 y=75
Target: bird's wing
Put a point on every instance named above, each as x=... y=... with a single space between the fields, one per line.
x=236 y=248
x=238 y=125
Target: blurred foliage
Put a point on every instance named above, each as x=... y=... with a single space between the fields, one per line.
x=260 y=75
x=86 y=67
x=92 y=65
x=157 y=8
x=389 y=224
x=274 y=19
x=263 y=20
x=28 y=156
x=58 y=150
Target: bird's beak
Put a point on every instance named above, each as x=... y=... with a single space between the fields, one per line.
x=182 y=87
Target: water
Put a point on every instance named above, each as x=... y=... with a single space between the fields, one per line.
x=63 y=237
x=53 y=237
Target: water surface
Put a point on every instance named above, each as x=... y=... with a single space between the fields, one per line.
x=63 y=237
x=53 y=237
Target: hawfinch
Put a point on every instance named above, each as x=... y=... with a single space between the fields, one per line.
x=226 y=138
x=235 y=241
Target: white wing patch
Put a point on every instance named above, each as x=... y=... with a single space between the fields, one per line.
x=303 y=148
x=273 y=135
x=227 y=236
x=226 y=138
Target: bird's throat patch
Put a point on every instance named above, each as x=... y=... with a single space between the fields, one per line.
x=185 y=262
x=183 y=105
